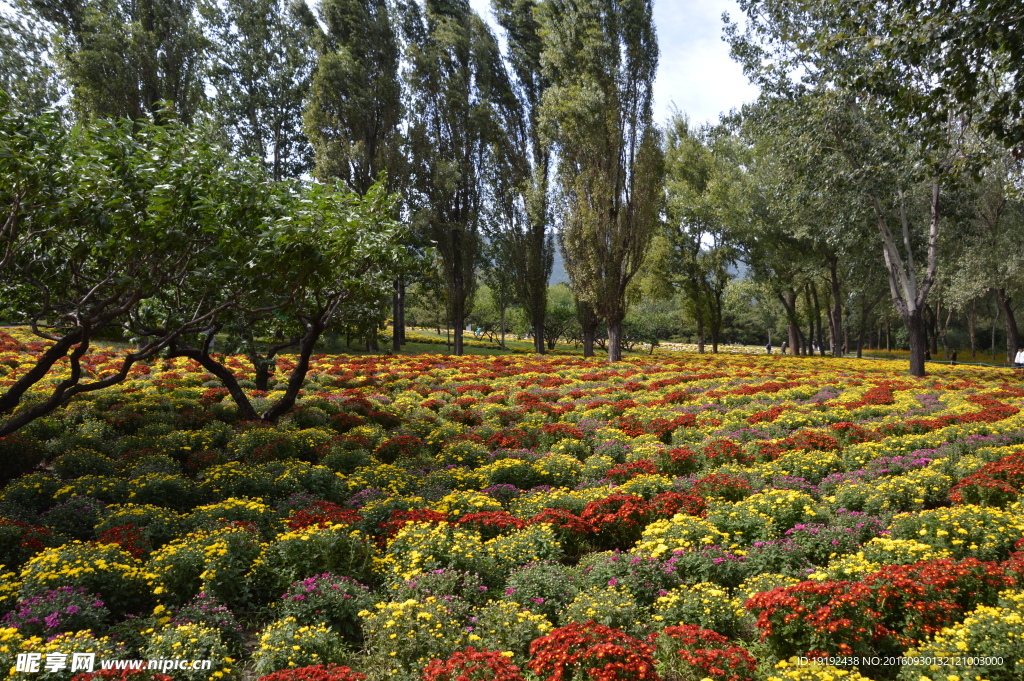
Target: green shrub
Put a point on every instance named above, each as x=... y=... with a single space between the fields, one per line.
x=218 y=563
x=327 y=599
x=286 y=644
x=102 y=569
x=81 y=462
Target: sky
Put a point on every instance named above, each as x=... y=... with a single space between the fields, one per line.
x=695 y=72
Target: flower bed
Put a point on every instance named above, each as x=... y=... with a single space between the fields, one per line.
x=678 y=517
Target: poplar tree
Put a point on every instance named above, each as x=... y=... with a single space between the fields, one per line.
x=529 y=241
x=261 y=64
x=355 y=101
x=601 y=57
x=121 y=58
x=462 y=131
x=26 y=73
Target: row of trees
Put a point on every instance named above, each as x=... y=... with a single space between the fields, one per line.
x=868 y=138
x=488 y=151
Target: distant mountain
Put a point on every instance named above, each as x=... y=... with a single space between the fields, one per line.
x=558 y=274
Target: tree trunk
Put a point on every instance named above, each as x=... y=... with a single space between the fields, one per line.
x=817 y=319
x=588 y=325
x=888 y=338
x=262 y=374
x=944 y=331
x=918 y=342
x=1010 y=321
x=933 y=330
x=836 y=318
x=588 y=342
x=396 y=314
x=971 y=327
x=809 y=340
x=503 y=329
x=995 y=323
x=789 y=303
x=401 y=309
x=614 y=340
x=457 y=344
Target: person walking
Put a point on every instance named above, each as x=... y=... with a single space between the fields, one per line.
x=768 y=348
x=952 y=358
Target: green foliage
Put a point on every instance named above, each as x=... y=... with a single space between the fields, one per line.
x=601 y=57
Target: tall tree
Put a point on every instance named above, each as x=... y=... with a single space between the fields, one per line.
x=355 y=102
x=122 y=57
x=463 y=121
x=700 y=197
x=26 y=71
x=531 y=240
x=601 y=57
x=260 y=65
x=901 y=163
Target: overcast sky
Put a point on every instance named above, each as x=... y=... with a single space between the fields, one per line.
x=695 y=72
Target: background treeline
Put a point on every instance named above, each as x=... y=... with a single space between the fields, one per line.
x=869 y=198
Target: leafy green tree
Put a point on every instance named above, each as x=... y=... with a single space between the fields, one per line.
x=26 y=73
x=499 y=275
x=601 y=57
x=334 y=254
x=355 y=101
x=701 y=182
x=987 y=254
x=901 y=165
x=931 y=60
x=100 y=224
x=260 y=66
x=531 y=242
x=560 y=316
x=463 y=118
x=121 y=58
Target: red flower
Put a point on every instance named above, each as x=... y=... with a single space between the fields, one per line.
x=322 y=514
x=492 y=523
x=399 y=518
x=472 y=665
x=128 y=537
x=626 y=471
x=726 y=451
x=591 y=652
x=315 y=673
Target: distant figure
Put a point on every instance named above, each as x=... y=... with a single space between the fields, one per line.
x=785 y=344
x=927 y=356
x=952 y=358
x=768 y=348
x=1018 y=361
x=842 y=349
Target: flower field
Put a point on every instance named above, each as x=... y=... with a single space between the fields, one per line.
x=678 y=517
